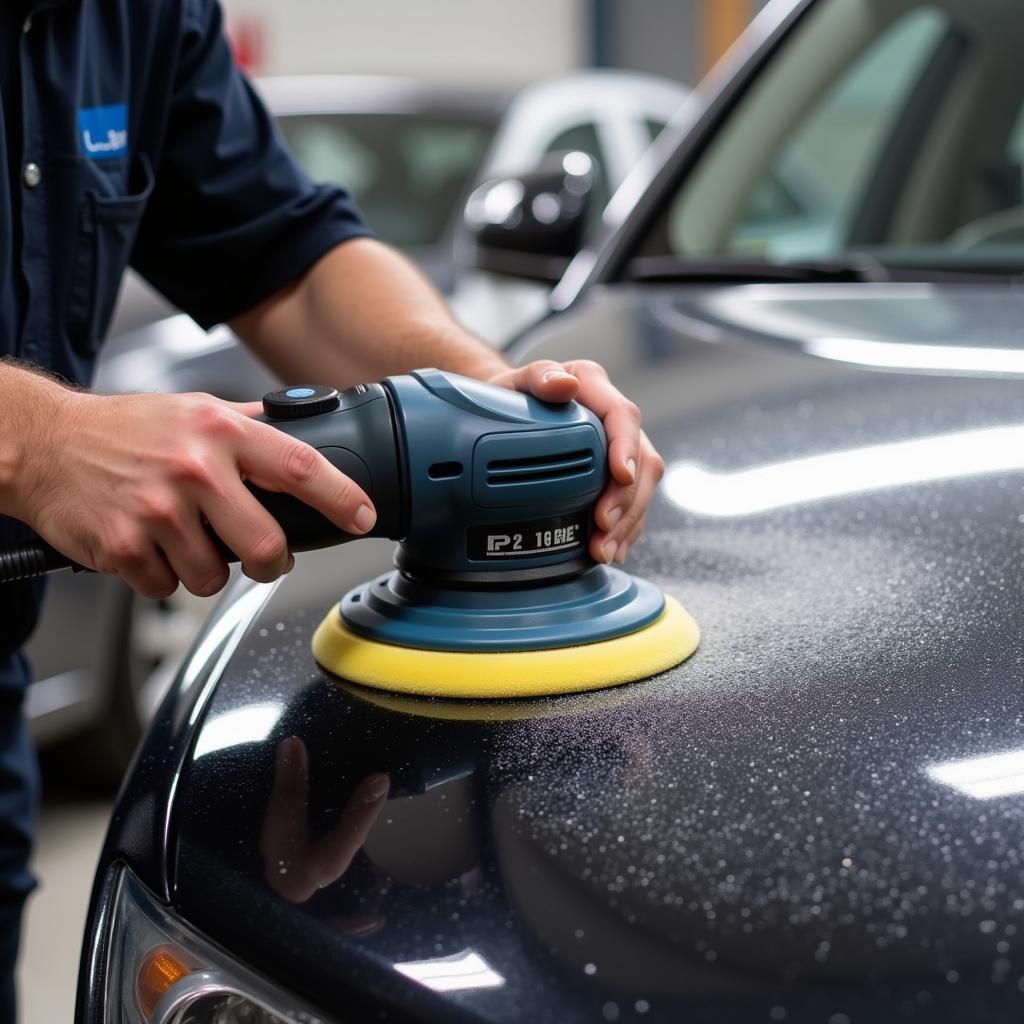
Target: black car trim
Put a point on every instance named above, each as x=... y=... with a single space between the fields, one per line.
x=92 y=976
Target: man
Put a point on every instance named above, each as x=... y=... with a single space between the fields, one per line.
x=129 y=135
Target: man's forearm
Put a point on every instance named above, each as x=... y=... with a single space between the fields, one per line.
x=361 y=313
x=31 y=399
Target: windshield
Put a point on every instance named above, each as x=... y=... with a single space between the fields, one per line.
x=889 y=129
x=406 y=172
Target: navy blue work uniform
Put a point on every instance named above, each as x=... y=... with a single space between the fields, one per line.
x=128 y=137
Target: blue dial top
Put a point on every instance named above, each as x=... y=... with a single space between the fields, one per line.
x=298 y=402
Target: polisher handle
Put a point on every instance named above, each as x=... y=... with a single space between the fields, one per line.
x=356 y=432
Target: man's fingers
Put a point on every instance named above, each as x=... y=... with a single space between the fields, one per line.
x=199 y=566
x=634 y=465
x=134 y=557
x=249 y=531
x=550 y=382
x=277 y=462
x=249 y=409
x=620 y=416
x=543 y=378
x=632 y=515
x=191 y=554
x=623 y=448
x=602 y=547
x=623 y=549
x=587 y=382
x=622 y=511
x=613 y=504
x=155 y=579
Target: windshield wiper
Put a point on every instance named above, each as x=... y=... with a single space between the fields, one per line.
x=724 y=270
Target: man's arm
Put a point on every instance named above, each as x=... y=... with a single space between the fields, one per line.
x=360 y=313
x=363 y=312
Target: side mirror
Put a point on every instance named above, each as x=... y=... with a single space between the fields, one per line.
x=533 y=224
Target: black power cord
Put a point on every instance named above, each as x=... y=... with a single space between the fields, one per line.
x=27 y=561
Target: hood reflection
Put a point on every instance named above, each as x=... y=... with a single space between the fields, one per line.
x=294 y=864
x=983 y=777
x=244 y=725
x=453 y=973
x=893 y=355
x=837 y=474
x=360 y=848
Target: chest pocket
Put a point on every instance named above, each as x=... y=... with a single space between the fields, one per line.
x=108 y=224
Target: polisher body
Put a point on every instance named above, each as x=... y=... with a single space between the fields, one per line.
x=494 y=594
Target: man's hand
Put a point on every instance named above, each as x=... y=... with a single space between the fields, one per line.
x=127 y=484
x=635 y=466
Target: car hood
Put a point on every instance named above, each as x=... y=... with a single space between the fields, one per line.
x=819 y=815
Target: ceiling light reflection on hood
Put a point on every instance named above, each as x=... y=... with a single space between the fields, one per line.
x=900 y=356
x=983 y=777
x=245 y=725
x=853 y=471
x=463 y=970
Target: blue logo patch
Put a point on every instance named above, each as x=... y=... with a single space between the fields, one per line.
x=104 y=131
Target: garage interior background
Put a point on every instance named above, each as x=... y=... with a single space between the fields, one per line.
x=489 y=43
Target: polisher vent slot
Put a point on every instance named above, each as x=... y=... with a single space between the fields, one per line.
x=503 y=472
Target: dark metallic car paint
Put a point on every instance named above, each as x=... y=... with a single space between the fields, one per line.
x=754 y=835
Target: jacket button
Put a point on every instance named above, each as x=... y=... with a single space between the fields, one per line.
x=32 y=175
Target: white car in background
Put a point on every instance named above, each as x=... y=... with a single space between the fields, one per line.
x=410 y=153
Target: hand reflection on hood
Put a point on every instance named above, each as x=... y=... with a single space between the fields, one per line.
x=295 y=865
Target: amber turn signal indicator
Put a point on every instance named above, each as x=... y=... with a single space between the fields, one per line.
x=161 y=968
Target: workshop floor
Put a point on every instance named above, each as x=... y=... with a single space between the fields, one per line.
x=71 y=829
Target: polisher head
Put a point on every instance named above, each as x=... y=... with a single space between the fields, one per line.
x=597 y=630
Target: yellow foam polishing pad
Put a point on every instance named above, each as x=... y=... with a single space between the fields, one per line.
x=667 y=641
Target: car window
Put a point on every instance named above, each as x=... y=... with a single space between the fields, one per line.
x=884 y=127
x=406 y=172
x=805 y=197
x=583 y=137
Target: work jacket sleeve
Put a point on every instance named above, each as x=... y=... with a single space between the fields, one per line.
x=232 y=217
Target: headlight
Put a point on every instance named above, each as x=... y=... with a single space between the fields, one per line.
x=160 y=971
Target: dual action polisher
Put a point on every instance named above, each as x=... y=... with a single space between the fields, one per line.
x=490 y=494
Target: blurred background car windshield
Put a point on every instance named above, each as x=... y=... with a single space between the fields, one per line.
x=887 y=128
